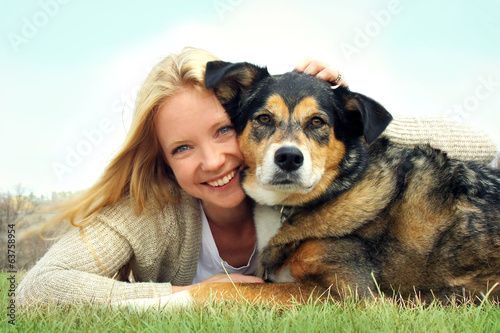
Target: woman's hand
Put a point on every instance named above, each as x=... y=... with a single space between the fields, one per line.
x=236 y=278
x=321 y=70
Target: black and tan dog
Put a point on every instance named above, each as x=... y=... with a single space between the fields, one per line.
x=347 y=210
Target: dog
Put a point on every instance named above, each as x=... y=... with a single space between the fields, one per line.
x=342 y=208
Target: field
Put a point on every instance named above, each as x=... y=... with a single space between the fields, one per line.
x=347 y=316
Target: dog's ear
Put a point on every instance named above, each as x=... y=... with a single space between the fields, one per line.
x=231 y=81
x=372 y=117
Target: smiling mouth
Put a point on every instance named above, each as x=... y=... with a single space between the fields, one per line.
x=223 y=181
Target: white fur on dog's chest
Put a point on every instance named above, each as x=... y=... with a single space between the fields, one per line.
x=267 y=224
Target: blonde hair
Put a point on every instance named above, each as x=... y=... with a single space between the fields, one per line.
x=139 y=169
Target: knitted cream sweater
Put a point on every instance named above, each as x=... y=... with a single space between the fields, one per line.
x=162 y=248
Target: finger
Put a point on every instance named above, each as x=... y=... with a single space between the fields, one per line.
x=333 y=76
x=315 y=67
x=328 y=74
x=303 y=65
x=340 y=80
x=253 y=279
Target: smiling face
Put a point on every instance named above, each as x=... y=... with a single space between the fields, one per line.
x=200 y=147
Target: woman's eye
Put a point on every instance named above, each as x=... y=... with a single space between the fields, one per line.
x=225 y=129
x=180 y=149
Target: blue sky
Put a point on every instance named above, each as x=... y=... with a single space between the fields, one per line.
x=70 y=69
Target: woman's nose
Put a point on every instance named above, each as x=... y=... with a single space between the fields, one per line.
x=213 y=157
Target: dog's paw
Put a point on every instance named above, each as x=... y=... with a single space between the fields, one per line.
x=273 y=257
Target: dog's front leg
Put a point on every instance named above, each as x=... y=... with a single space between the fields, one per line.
x=341 y=264
x=257 y=293
x=273 y=262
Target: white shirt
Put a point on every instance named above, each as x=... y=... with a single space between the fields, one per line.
x=210 y=262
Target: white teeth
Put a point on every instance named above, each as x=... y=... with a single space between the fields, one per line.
x=223 y=181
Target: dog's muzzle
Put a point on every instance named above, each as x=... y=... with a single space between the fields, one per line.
x=284 y=170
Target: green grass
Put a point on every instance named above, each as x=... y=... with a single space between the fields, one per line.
x=347 y=316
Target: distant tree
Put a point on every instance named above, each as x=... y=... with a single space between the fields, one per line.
x=24 y=210
x=16 y=206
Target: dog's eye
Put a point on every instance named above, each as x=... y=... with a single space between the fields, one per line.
x=264 y=119
x=317 y=122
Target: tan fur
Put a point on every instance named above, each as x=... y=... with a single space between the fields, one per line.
x=277 y=106
x=286 y=294
x=250 y=149
x=306 y=260
x=420 y=219
x=306 y=109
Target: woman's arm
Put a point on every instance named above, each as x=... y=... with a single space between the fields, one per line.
x=70 y=273
x=457 y=139
x=81 y=266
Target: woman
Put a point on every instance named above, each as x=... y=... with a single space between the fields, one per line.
x=169 y=207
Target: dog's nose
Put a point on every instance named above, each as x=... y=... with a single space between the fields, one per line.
x=289 y=158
